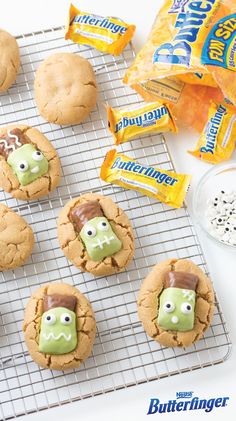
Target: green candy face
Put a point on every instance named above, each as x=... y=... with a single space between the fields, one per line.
x=28 y=164
x=58 y=333
x=99 y=239
x=176 y=310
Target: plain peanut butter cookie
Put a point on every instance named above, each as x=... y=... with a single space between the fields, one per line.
x=176 y=303
x=16 y=239
x=29 y=165
x=96 y=235
x=65 y=88
x=9 y=60
x=59 y=327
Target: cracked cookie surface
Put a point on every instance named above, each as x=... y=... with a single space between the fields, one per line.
x=16 y=239
x=43 y=185
x=9 y=60
x=74 y=249
x=65 y=88
x=148 y=304
x=85 y=326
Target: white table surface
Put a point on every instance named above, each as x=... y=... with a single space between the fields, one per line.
x=23 y=16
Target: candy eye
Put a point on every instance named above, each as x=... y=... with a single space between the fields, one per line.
x=186 y=308
x=50 y=319
x=168 y=307
x=90 y=232
x=37 y=156
x=66 y=319
x=103 y=226
x=23 y=166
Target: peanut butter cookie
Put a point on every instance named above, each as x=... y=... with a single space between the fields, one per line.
x=96 y=235
x=65 y=88
x=59 y=327
x=176 y=303
x=16 y=239
x=9 y=60
x=29 y=165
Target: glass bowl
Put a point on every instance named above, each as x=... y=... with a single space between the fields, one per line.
x=220 y=177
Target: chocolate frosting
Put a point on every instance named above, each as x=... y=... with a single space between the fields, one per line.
x=81 y=214
x=182 y=280
x=57 y=300
x=8 y=143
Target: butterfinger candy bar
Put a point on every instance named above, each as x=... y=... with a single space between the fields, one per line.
x=166 y=186
x=217 y=141
x=58 y=300
x=183 y=280
x=107 y=34
x=81 y=214
x=11 y=141
x=126 y=123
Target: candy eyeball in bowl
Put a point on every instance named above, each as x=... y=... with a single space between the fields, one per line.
x=214 y=204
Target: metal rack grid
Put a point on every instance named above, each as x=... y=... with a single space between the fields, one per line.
x=122 y=355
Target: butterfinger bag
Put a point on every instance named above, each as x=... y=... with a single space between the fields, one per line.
x=191 y=42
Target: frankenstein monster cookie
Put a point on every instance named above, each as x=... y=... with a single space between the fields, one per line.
x=176 y=303
x=65 y=88
x=29 y=165
x=59 y=327
x=96 y=235
x=16 y=239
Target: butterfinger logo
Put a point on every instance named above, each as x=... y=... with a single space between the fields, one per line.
x=176 y=405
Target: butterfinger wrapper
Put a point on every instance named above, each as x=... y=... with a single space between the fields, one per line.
x=217 y=141
x=127 y=123
x=107 y=34
x=166 y=186
x=194 y=40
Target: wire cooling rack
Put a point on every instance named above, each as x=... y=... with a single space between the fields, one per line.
x=122 y=355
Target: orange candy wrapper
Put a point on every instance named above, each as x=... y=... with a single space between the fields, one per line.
x=191 y=43
x=107 y=34
x=217 y=141
x=166 y=186
x=130 y=122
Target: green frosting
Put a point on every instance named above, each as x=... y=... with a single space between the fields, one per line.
x=28 y=164
x=58 y=333
x=99 y=239
x=176 y=310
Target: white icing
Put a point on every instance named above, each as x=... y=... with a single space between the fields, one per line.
x=175 y=319
x=188 y=294
x=13 y=136
x=100 y=243
x=56 y=338
x=12 y=147
x=35 y=170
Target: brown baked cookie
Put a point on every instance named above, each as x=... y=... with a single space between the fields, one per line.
x=176 y=303
x=65 y=88
x=96 y=235
x=16 y=239
x=29 y=165
x=59 y=326
x=9 y=60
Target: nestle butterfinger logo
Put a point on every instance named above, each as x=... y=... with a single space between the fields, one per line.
x=189 y=403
